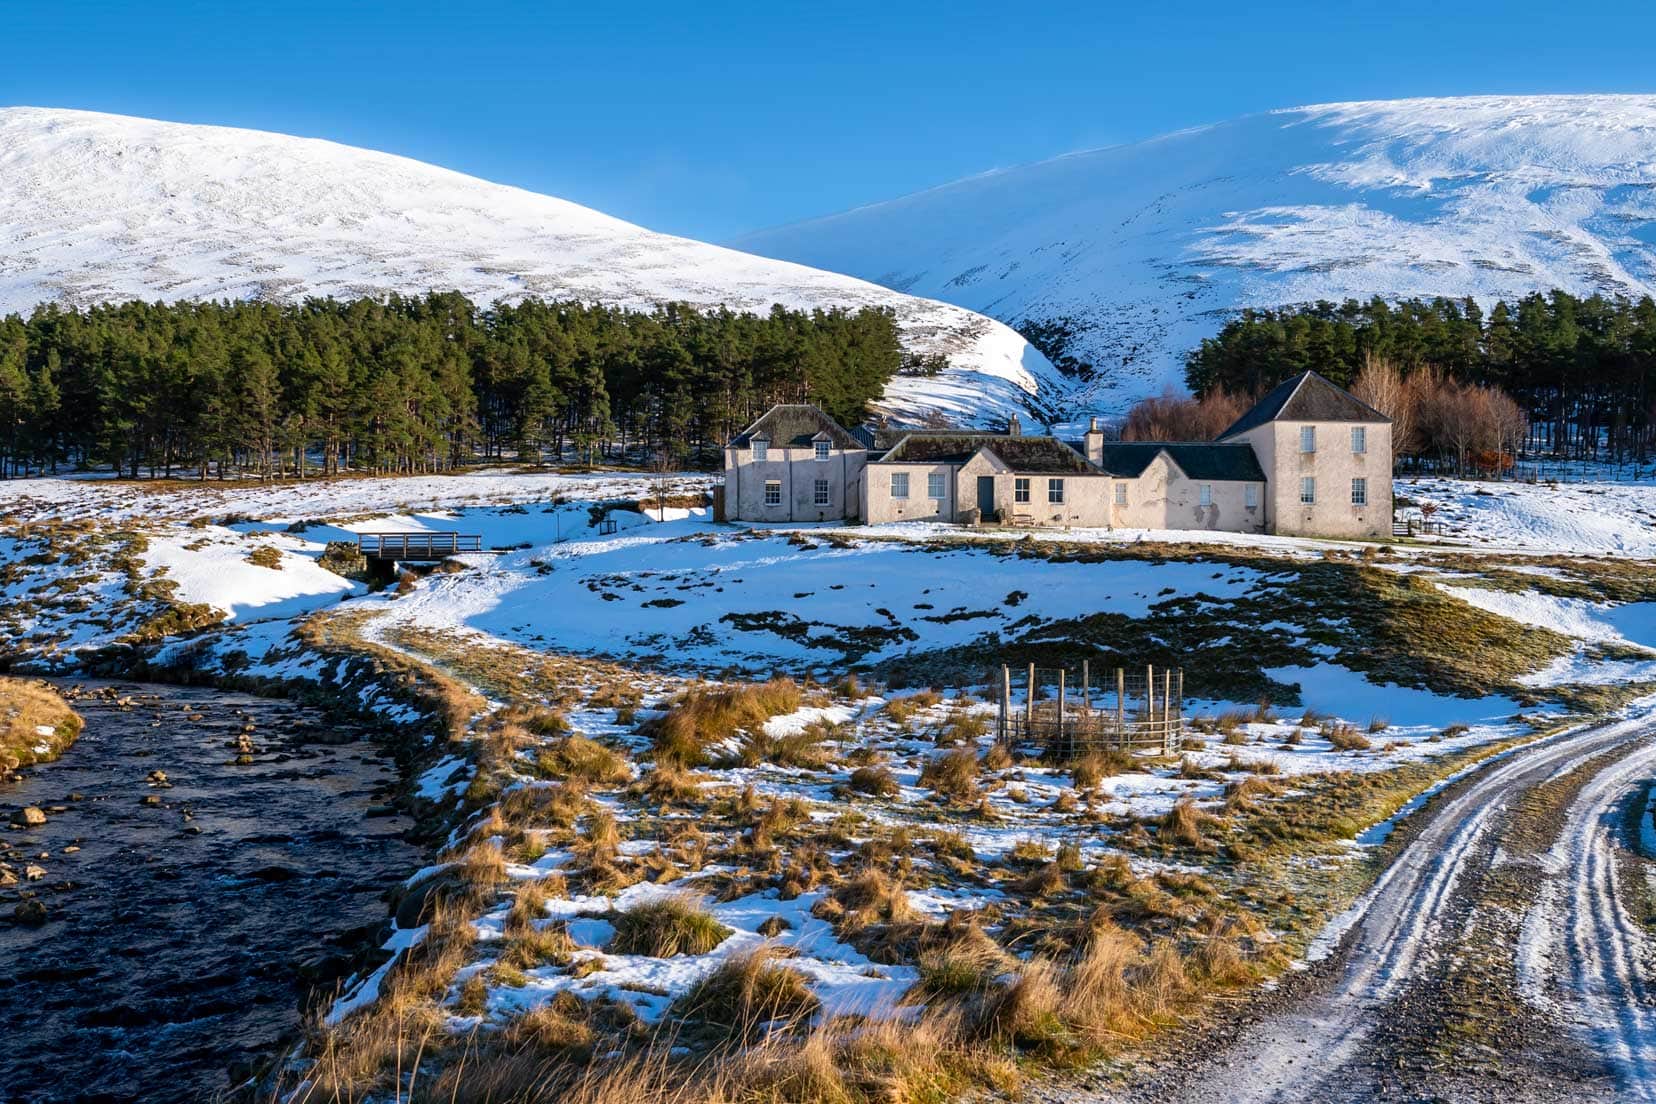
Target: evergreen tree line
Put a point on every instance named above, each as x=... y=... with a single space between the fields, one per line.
x=414 y=384
x=1583 y=371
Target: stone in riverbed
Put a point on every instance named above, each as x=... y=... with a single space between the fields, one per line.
x=34 y=873
x=30 y=816
x=150 y=799
x=29 y=912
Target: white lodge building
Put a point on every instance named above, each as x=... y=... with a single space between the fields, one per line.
x=1309 y=459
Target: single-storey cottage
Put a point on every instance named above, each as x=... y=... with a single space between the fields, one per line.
x=1309 y=459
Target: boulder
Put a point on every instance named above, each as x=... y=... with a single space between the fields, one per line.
x=30 y=912
x=34 y=873
x=30 y=816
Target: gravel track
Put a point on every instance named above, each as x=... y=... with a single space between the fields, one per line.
x=1431 y=993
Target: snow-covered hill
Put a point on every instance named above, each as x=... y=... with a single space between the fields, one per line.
x=1148 y=246
x=97 y=208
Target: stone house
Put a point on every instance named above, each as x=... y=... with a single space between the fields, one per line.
x=1308 y=459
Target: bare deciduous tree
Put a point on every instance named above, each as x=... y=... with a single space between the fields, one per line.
x=1174 y=417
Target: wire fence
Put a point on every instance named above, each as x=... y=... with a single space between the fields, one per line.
x=1071 y=712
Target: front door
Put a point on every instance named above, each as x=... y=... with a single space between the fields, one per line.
x=986 y=496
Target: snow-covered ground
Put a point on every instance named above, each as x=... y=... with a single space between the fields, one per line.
x=674 y=597
x=1585 y=518
x=105 y=208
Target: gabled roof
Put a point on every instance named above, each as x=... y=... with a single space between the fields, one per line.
x=1022 y=454
x=1197 y=459
x=1306 y=397
x=795 y=425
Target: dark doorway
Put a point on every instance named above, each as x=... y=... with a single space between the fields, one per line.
x=986 y=495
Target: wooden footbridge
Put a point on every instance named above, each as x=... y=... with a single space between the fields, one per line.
x=417 y=547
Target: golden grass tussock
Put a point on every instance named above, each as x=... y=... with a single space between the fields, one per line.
x=903 y=710
x=36 y=724
x=706 y=715
x=667 y=926
x=577 y=757
x=953 y=774
x=558 y=805
x=875 y=780
x=1243 y=795
x=1088 y=771
x=747 y=991
x=1183 y=825
x=668 y=784
x=1342 y=736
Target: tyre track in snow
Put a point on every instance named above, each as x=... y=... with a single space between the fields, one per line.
x=1582 y=950
x=1410 y=920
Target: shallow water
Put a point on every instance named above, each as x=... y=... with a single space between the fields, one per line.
x=183 y=939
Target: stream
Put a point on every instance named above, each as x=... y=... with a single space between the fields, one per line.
x=188 y=923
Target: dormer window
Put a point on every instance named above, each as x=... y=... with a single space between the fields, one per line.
x=761 y=449
x=822 y=450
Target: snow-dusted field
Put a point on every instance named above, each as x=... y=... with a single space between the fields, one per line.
x=630 y=620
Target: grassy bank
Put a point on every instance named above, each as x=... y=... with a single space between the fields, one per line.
x=36 y=723
x=1069 y=959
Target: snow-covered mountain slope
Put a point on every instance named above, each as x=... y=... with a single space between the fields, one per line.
x=99 y=208
x=1148 y=246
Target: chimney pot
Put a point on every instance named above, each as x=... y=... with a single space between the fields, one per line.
x=1014 y=428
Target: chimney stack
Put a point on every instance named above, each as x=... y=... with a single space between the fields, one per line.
x=1014 y=428
x=1094 y=443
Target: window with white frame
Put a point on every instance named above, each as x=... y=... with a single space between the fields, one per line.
x=773 y=492
x=1359 y=439
x=761 y=449
x=1020 y=489
x=1250 y=496
x=899 y=484
x=1308 y=490
x=1206 y=494
x=934 y=485
x=1055 y=490
x=1308 y=438
x=819 y=496
x=1121 y=494
x=1359 y=492
x=822 y=450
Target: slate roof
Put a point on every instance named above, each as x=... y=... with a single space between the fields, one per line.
x=1021 y=454
x=1306 y=397
x=796 y=425
x=1197 y=459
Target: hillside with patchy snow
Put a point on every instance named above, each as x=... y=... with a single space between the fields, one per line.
x=100 y=208
x=1149 y=246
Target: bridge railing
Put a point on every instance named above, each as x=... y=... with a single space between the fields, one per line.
x=417 y=546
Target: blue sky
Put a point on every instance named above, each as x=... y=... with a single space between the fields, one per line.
x=709 y=119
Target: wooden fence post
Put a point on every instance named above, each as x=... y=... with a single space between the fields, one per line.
x=1121 y=706
x=1149 y=696
x=1060 y=705
x=1029 y=706
x=1086 y=694
x=1005 y=704
x=1167 y=711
